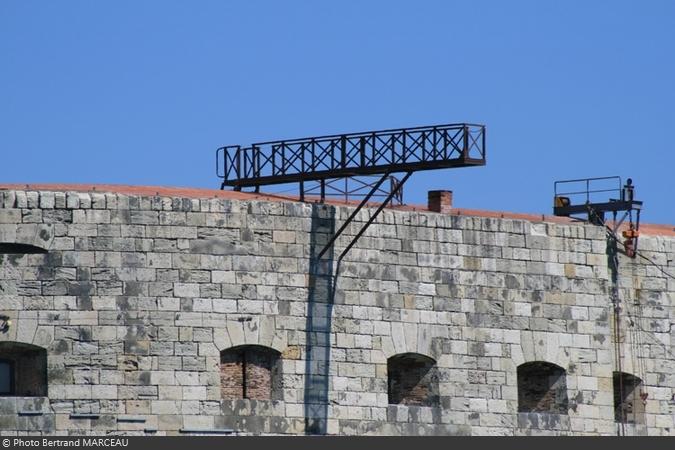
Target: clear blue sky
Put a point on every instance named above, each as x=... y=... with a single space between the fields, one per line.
x=143 y=92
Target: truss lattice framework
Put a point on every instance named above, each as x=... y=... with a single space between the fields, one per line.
x=355 y=154
x=352 y=188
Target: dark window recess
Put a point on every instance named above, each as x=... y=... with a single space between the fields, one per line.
x=251 y=372
x=23 y=370
x=628 y=404
x=21 y=249
x=6 y=377
x=542 y=388
x=412 y=380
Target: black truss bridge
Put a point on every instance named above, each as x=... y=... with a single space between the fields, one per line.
x=344 y=156
x=348 y=155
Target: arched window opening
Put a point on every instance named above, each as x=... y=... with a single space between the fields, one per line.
x=250 y=372
x=628 y=404
x=412 y=380
x=542 y=388
x=23 y=370
x=19 y=249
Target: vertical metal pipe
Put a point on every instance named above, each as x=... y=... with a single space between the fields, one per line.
x=424 y=146
x=465 y=150
x=303 y=147
x=274 y=159
x=256 y=154
x=393 y=147
x=239 y=163
x=482 y=150
x=343 y=146
x=373 y=147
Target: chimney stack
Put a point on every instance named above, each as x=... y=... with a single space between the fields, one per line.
x=440 y=201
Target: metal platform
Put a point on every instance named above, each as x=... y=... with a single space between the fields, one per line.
x=584 y=193
x=588 y=196
x=323 y=158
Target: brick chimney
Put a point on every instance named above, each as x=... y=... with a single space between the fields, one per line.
x=440 y=201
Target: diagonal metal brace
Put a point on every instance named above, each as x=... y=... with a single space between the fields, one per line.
x=351 y=217
x=372 y=217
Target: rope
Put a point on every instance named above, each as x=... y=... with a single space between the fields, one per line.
x=635 y=327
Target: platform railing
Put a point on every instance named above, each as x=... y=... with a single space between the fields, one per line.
x=354 y=154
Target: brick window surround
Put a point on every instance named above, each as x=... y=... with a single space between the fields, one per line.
x=542 y=388
x=412 y=380
x=250 y=372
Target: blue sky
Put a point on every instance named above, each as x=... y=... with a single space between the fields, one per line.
x=143 y=92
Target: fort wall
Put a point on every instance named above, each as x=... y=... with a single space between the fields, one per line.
x=138 y=298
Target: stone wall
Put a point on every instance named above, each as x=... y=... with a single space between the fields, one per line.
x=137 y=297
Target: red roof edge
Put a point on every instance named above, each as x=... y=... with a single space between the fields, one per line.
x=648 y=229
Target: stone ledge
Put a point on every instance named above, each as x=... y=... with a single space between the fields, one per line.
x=30 y=413
x=206 y=431
x=84 y=416
x=131 y=419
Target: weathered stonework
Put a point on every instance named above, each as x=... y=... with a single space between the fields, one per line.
x=137 y=297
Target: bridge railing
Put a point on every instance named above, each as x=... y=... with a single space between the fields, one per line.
x=346 y=155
